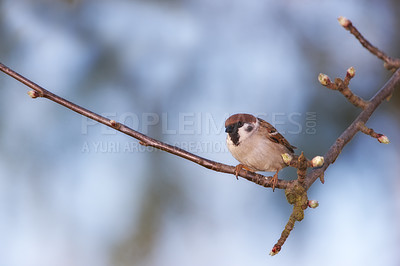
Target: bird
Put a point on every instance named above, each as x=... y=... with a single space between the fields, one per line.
x=256 y=144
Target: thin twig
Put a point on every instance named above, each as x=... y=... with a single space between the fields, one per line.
x=348 y=134
x=284 y=235
x=343 y=87
x=39 y=91
x=369 y=131
x=390 y=63
x=296 y=194
x=350 y=96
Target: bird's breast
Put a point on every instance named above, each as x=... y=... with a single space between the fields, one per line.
x=258 y=155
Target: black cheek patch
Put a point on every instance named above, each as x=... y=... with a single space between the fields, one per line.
x=234 y=137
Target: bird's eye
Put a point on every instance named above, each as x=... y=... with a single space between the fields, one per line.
x=240 y=124
x=249 y=128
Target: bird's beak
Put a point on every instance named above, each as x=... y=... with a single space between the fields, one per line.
x=229 y=129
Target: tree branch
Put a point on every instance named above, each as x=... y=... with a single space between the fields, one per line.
x=38 y=91
x=331 y=155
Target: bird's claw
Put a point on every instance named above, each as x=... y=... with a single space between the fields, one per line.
x=274 y=180
x=237 y=170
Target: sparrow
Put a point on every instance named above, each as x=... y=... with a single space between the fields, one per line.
x=256 y=144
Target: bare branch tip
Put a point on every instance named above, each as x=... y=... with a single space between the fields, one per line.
x=344 y=22
x=275 y=250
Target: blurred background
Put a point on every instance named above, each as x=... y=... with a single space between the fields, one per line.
x=73 y=192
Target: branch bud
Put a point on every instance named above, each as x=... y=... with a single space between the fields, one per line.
x=275 y=250
x=351 y=72
x=287 y=158
x=324 y=79
x=33 y=94
x=344 y=21
x=115 y=124
x=383 y=139
x=313 y=204
x=317 y=161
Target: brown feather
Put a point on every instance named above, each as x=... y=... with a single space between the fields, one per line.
x=275 y=136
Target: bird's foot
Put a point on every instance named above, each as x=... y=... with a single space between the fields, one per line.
x=274 y=180
x=240 y=167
